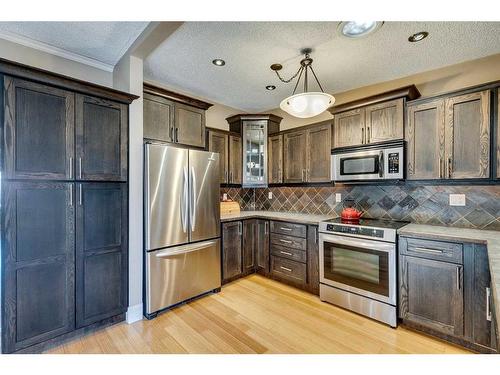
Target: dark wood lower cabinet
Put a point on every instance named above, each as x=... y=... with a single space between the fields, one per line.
x=249 y=228
x=231 y=250
x=101 y=252
x=262 y=246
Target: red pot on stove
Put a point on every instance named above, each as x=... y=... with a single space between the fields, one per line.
x=351 y=215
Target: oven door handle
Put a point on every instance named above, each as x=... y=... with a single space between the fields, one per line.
x=381 y=164
x=358 y=243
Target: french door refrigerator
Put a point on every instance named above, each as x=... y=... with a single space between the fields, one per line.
x=182 y=225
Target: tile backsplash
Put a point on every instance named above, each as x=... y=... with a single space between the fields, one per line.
x=424 y=204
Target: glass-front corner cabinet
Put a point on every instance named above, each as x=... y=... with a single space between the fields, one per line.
x=254 y=153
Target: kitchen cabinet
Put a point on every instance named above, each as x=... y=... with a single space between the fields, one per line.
x=235 y=160
x=262 y=246
x=189 y=125
x=249 y=231
x=295 y=156
x=255 y=153
x=231 y=250
x=39 y=130
x=219 y=142
x=425 y=139
x=158 y=118
x=349 y=128
x=498 y=134
x=384 y=121
x=101 y=139
x=275 y=159
x=39 y=246
x=313 y=259
x=101 y=251
x=467 y=135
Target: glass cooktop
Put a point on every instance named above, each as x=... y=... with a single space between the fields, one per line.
x=378 y=223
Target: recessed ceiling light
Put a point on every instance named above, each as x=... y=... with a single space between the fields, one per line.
x=417 y=37
x=218 y=62
x=357 y=29
x=270 y=87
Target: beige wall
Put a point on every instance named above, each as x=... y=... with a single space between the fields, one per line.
x=43 y=60
x=430 y=83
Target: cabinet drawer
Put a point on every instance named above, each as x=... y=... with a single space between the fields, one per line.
x=288 y=269
x=288 y=253
x=430 y=249
x=289 y=241
x=289 y=229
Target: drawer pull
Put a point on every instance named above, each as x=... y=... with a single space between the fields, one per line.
x=429 y=251
x=287 y=229
x=286 y=269
x=286 y=241
x=458 y=278
x=488 y=307
x=286 y=253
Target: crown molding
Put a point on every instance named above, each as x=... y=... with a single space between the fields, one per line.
x=47 y=48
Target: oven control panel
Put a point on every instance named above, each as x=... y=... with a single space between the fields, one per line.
x=363 y=231
x=393 y=161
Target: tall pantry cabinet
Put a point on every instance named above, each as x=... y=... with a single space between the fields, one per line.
x=64 y=217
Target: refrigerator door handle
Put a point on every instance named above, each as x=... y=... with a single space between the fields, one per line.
x=185 y=200
x=186 y=249
x=193 y=200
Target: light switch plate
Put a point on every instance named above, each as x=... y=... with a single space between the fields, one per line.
x=338 y=197
x=270 y=195
x=457 y=199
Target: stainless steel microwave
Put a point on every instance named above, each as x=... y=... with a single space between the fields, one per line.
x=383 y=162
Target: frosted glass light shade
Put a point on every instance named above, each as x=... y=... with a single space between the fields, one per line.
x=307 y=104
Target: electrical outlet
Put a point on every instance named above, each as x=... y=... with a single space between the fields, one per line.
x=338 y=197
x=457 y=199
x=270 y=195
x=224 y=197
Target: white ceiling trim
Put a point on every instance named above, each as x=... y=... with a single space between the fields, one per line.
x=44 y=47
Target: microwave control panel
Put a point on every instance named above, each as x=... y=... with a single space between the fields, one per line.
x=393 y=159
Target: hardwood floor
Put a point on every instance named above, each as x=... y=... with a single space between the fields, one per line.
x=257 y=315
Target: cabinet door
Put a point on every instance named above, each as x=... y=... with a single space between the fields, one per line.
x=249 y=245
x=313 y=259
x=349 y=128
x=158 y=118
x=39 y=131
x=295 y=157
x=262 y=246
x=101 y=139
x=384 y=121
x=101 y=252
x=38 y=256
x=431 y=294
x=231 y=249
x=189 y=125
x=218 y=142
x=467 y=135
x=425 y=137
x=235 y=160
x=275 y=159
x=318 y=153
x=498 y=135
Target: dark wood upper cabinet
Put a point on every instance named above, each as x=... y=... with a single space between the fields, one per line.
x=158 y=118
x=101 y=139
x=318 y=153
x=249 y=232
x=219 y=142
x=431 y=294
x=467 y=139
x=39 y=131
x=235 y=160
x=101 y=251
x=275 y=159
x=189 y=125
x=349 y=128
x=231 y=249
x=38 y=263
x=384 y=121
x=295 y=156
x=425 y=140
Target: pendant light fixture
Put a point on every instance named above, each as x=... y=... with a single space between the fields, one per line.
x=308 y=103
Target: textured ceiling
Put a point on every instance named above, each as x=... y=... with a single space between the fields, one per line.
x=102 y=41
x=183 y=61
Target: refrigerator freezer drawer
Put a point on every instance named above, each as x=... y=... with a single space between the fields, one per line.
x=179 y=273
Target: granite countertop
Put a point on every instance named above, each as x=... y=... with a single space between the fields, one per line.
x=489 y=237
x=283 y=216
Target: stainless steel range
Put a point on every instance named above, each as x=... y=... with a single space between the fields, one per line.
x=358 y=267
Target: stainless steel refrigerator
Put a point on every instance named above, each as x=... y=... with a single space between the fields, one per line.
x=182 y=225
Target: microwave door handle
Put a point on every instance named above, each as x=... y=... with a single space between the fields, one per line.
x=381 y=164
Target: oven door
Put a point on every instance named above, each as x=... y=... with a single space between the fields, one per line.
x=364 y=267
x=361 y=165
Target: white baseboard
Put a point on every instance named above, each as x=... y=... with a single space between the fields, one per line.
x=134 y=313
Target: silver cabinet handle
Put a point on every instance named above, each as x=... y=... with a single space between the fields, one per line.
x=266 y=227
x=316 y=235
x=488 y=302
x=287 y=229
x=230 y=176
x=303 y=170
x=450 y=167
x=71 y=167
x=240 y=228
x=193 y=199
x=226 y=177
x=176 y=134
x=368 y=134
x=71 y=195
x=79 y=167
x=362 y=136
x=425 y=250
x=170 y=135
x=80 y=195
x=286 y=253
x=440 y=167
x=286 y=241
x=286 y=269
x=458 y=277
